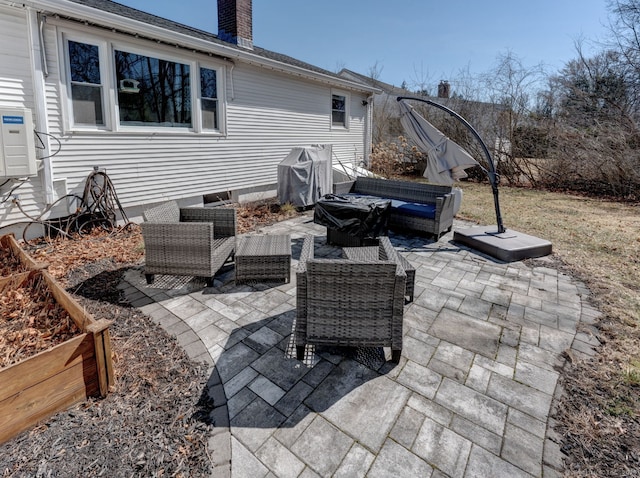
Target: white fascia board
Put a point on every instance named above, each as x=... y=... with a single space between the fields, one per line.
x=111 y=20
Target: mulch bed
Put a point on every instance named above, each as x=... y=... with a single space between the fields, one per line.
x=155 y=423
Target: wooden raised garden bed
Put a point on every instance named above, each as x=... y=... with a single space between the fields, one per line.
x=56 y=357
x=13 y=259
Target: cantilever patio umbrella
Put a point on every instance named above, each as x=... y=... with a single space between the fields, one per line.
x=446 y=162
x=414 y=126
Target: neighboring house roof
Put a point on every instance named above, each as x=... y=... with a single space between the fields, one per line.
x=391 y=90
x=123 y=15
x=380 y=85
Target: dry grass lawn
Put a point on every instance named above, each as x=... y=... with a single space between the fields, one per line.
x=597 y=241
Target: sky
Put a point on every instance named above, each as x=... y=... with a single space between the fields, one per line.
x=419 y=42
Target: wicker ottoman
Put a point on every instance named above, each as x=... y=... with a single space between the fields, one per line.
x=265 y=257
x=371 y=253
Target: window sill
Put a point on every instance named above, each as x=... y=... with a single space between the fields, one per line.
x=144 y=132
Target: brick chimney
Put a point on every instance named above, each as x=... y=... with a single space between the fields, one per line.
x=235 y=23
x=444 y=89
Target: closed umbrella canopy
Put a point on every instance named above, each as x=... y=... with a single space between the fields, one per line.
x=446 y=161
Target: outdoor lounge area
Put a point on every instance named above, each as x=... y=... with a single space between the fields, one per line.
x=471 y=394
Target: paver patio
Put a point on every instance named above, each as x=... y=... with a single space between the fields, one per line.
x=472 y=395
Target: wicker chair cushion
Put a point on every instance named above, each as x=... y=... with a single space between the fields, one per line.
x=414 y=208
x=165 y=212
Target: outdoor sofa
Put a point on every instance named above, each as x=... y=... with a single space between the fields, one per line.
x=418 y=207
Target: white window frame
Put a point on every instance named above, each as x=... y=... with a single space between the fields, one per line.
x=110 y=106
x=130 y=48
x=220 y=89
x=104 y=81
x=347 y=102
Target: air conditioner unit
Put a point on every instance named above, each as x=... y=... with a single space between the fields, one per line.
x=17 y=148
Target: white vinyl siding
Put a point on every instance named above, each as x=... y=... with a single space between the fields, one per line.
x=265 y=113
x=16 y=85
x=16 y=91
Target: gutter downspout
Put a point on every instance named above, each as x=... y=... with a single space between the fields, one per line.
x=233 y=91
x=368 y=142
x=35 y=27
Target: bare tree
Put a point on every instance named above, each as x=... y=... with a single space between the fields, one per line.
x=375 y=71
x=625 y=40
x=422 y=82
x=510 y=88
x=596 y=138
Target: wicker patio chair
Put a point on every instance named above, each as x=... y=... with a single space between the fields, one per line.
x=346 y=302
x=192 y=241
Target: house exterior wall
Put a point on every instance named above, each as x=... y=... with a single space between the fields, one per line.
x=16 y=91
x=16 y=88
x=266 y=113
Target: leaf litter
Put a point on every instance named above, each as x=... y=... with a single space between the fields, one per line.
x=31 y=320
x=156 y=421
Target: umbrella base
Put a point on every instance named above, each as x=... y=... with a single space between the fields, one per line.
x=508 y=246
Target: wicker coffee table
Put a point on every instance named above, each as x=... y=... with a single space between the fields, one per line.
x=370 y=253
x=264 y=257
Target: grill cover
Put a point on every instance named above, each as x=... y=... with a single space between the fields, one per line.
x=305 y=175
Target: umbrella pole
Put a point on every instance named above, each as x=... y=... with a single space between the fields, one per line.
x=493 y=176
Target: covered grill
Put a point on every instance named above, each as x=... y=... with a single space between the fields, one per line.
x=305 y=175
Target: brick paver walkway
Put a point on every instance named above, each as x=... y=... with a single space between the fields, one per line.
x=471 y=397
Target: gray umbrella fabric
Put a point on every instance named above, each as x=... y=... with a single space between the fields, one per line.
x=446 y=160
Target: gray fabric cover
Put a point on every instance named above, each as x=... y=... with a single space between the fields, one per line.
x=446 y=159
x=305 y=175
